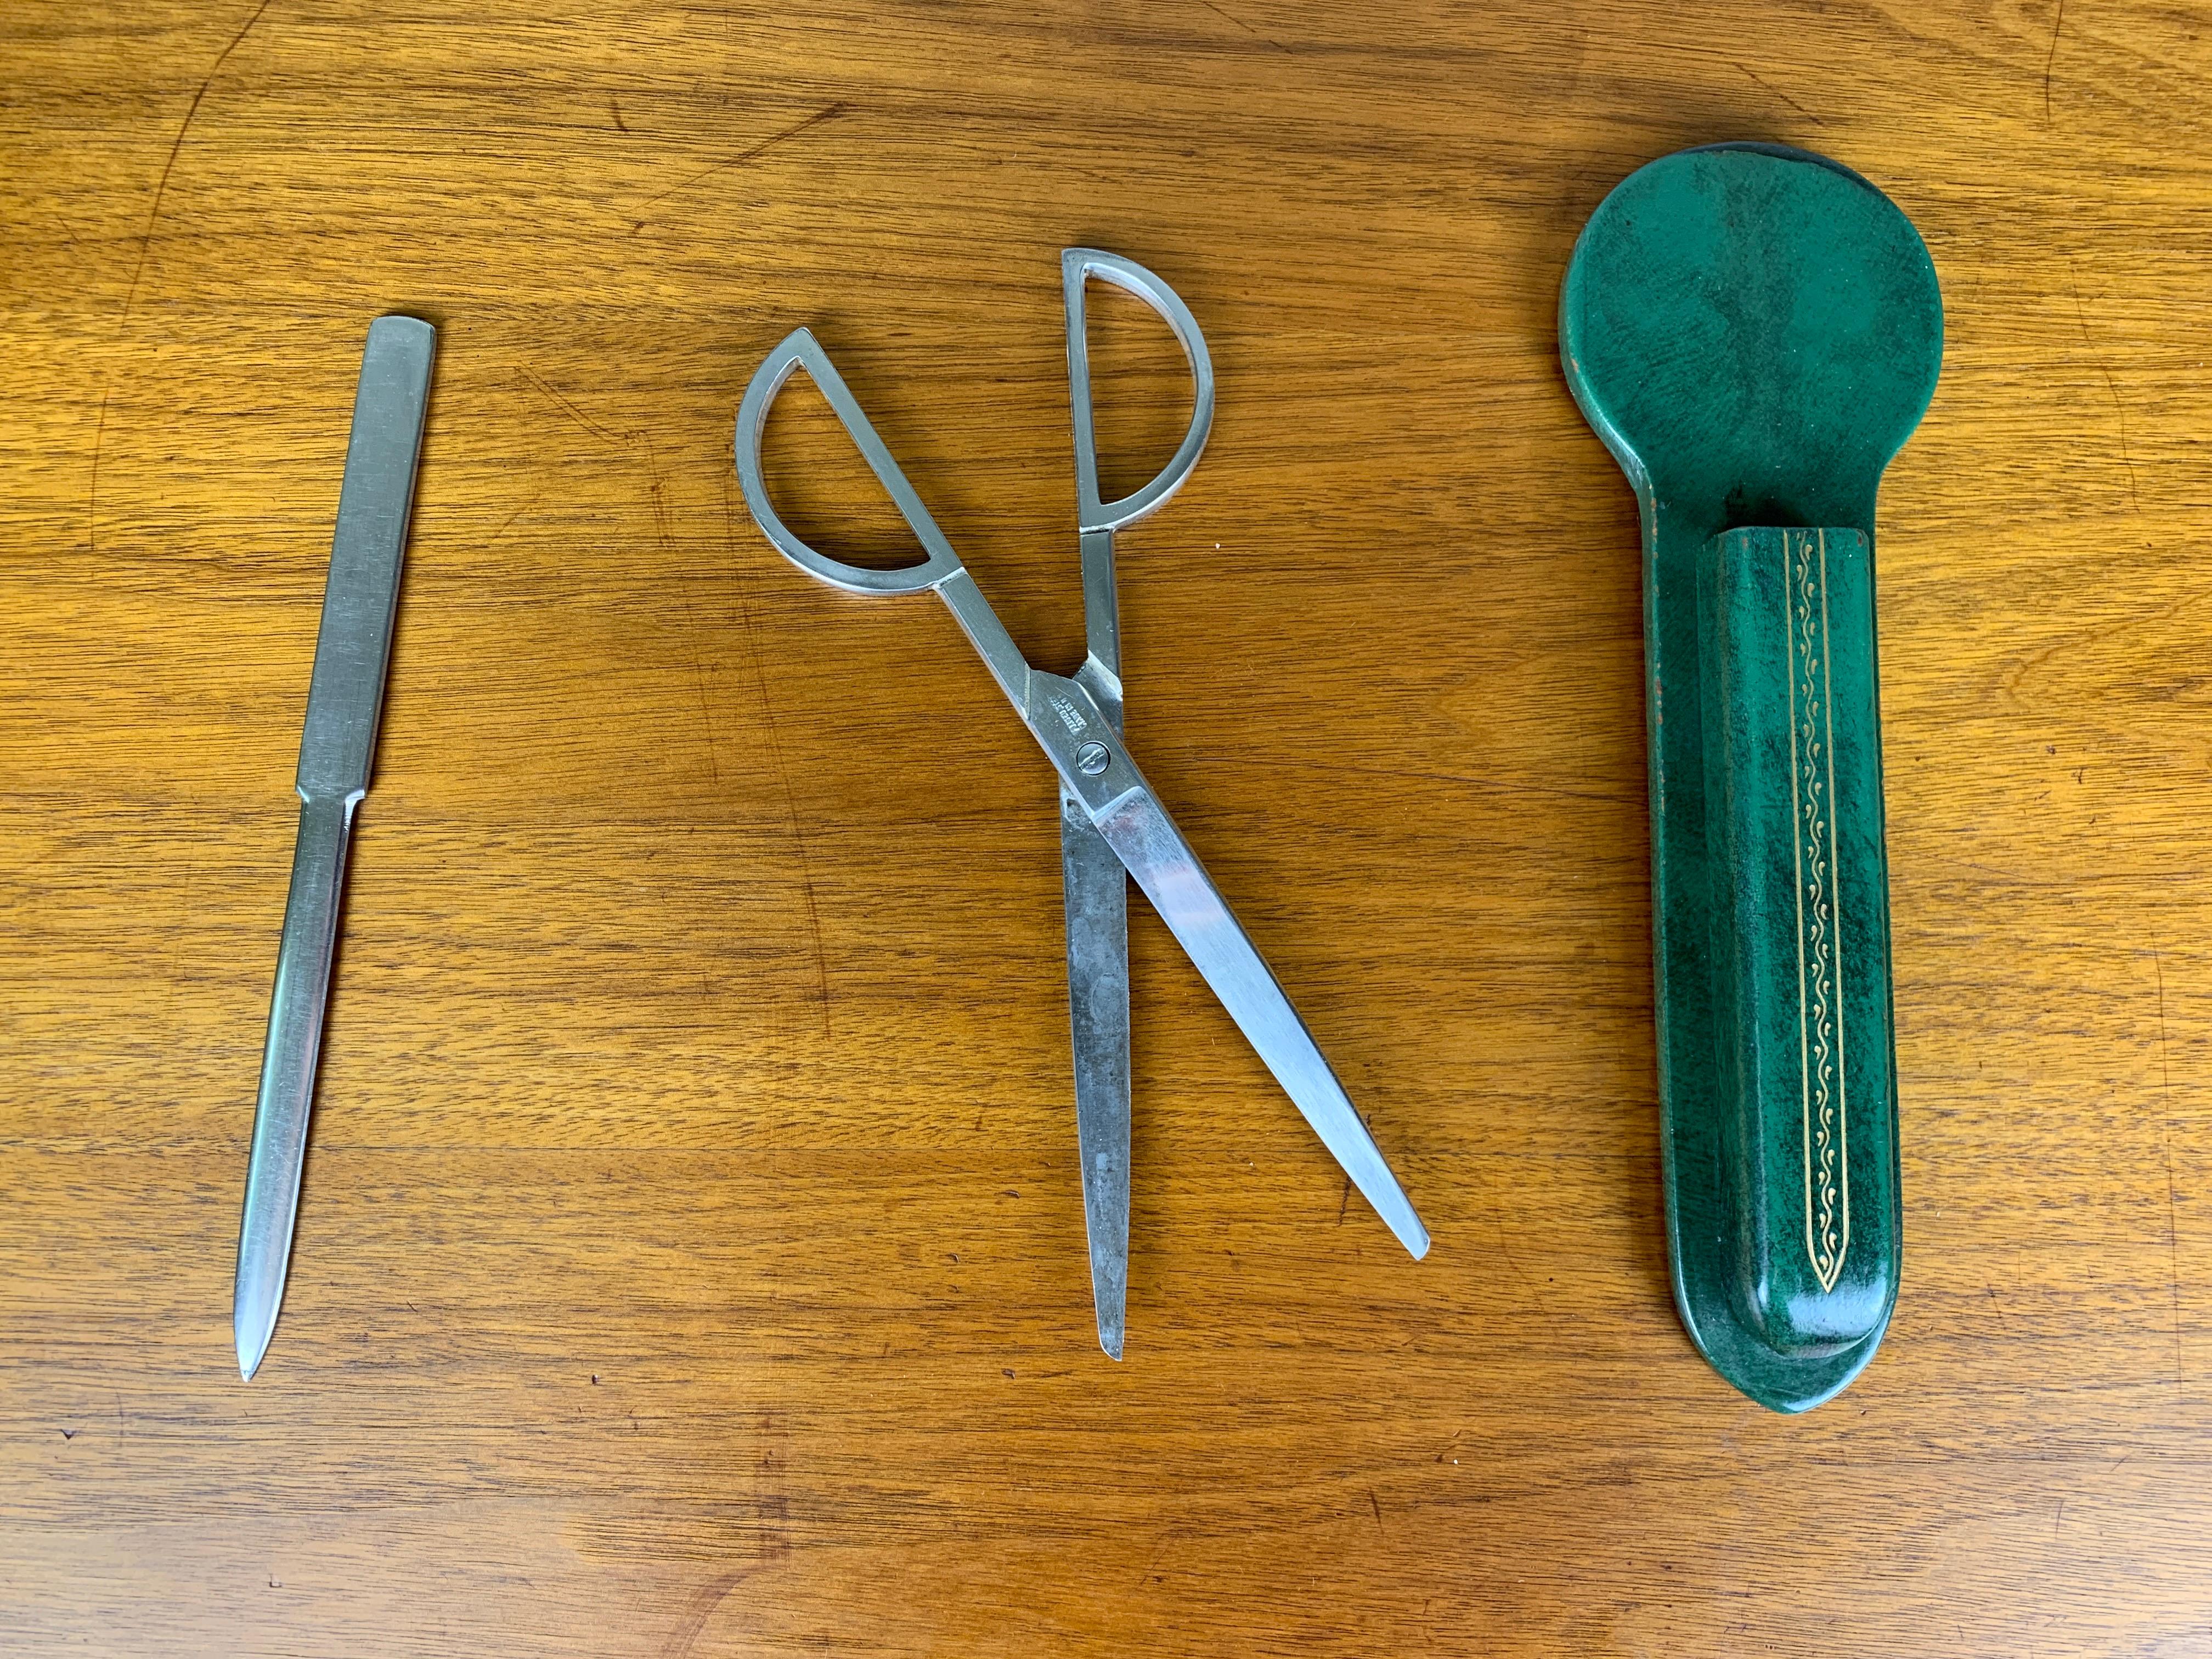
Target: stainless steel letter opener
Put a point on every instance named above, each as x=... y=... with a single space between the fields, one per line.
x=343 y=700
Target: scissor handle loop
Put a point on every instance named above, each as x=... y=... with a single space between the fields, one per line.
x=800 y=349
x=1077 y=266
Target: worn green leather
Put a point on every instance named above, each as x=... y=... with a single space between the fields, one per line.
x=1754 y=331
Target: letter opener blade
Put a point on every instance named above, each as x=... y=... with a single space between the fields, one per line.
x=344 y=698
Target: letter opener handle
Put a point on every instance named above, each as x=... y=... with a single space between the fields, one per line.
x=344 y=698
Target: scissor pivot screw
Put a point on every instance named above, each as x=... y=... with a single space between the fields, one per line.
x=1092 y=759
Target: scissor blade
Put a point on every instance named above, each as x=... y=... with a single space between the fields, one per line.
x=1098 y=890
x=1137 y=827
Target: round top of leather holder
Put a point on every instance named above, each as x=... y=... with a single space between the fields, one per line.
x=1754 y=331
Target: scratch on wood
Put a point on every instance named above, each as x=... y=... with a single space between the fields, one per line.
x=2166 y=1146
x=2165 y=1076
x=2051 y=57
x=701 y=1607
x=575 y=413
x=1784 y=97
x=783 y=776
x=1166 y=1542
x=508 y=523
x=92 y=496
x=2172 y=1240
x=2126 y=460
x=1242 y=24
x=161 y=189
x=1505 y=1248
x=665 y=536
x=827 y=112
x=615 y=109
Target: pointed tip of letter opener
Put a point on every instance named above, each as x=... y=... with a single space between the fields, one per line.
x=253 y=1333
x=1110 y=1338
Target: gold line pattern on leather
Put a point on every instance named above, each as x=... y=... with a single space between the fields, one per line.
x=1819 y=946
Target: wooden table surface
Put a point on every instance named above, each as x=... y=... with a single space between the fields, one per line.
x=691 y=1259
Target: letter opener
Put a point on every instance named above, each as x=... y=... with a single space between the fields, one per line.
x=344 y=698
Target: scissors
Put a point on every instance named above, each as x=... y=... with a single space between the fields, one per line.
x=1112 y=825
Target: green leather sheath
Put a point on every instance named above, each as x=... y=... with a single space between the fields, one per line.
x=1754 y=331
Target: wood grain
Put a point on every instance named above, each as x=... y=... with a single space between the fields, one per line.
x=691 y=1258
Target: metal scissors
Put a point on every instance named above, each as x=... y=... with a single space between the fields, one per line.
x=1111 y=823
